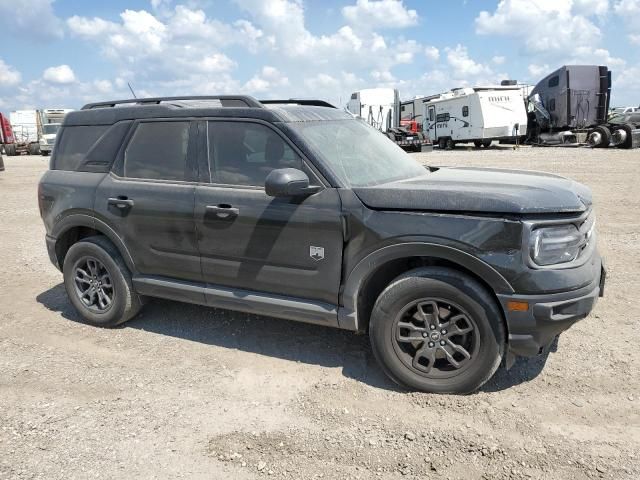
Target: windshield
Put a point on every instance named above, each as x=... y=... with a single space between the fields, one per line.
x=51 y=128
x=358 y=154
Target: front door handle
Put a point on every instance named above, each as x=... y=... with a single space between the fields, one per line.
x=122 y=203
x=223 y=211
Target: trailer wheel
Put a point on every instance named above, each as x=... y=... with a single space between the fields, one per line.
x=442 y=143
x=477 y=143
x=450 y=145
x=10 y=150
x=486 y=143
x=621 y=136
x=34 y=149
x=600 y=137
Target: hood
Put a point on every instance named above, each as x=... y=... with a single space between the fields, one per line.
x=480 y=190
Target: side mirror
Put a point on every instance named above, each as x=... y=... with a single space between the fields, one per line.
x=288 y=182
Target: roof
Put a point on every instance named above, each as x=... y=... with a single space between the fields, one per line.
x=239 y=106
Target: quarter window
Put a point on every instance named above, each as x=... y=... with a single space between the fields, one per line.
x=554 y=81
x=74 y=144
x=245 y=153
x=158 y=150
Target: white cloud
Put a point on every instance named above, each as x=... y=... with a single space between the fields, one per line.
x=268 y=79
x=9 y=76
x=591 y=7
x=463 y=66
x=629 y=11
x=498 y=59
x=634 y=38
x=538 y=71
x=545 y=26
x=370 y=14
x=90 y=27
x=34 y=19
x=432 y=53
x=61 y=75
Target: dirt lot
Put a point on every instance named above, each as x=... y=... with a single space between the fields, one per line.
x=189 y=392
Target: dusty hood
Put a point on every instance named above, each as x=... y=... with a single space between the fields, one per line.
x=480 y=190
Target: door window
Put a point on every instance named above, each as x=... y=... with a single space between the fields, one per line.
x=242 y=153
x=158 y=151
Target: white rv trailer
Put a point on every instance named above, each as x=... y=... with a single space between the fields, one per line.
x=479 y=115
x=380 y=108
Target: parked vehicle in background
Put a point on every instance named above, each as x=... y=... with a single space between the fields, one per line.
x=380 y=108
x=50 y=119
x=618 y=110
x=622 y=130
x=478 y=114
x=7 y=140
x=306 y=213
x=574 y=98
x=26 y=125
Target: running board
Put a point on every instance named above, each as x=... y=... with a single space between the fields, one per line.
x=280 y=306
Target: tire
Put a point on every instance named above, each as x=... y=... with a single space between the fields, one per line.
x=477 y=143
x=10 y=150
x=44 y=153
x=125 y=303
x=603 y=134
x=450 y=145
x=627 y=130
x=442 y=143
x=486 y=143
x=34 y=149
x=462 y=295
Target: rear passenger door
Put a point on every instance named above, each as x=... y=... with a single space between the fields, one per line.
x=148 y=198
x=250 y=241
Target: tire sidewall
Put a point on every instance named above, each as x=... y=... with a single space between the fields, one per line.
x=118 y=310
x=405 y=291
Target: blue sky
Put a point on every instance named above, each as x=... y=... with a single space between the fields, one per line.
x=64 y=53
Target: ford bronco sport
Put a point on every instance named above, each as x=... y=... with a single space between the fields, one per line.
x=295 y=209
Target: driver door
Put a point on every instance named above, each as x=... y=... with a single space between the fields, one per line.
x=250 y=241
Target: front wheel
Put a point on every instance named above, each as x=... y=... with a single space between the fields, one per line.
x=437 y=330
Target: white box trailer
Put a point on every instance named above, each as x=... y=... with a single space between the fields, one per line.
x=479 y=115
x=380 y=108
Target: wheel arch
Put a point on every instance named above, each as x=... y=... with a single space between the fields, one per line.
x=75 y=227
x=372 y=274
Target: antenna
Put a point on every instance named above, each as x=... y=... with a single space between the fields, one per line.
x=132 y=92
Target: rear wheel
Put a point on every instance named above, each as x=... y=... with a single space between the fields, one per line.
x=442 y=143
x=486 y=143
x=34 y=149
x=621 y=136
x=437 y=330
x=98 y=283
x=10 y=150
x=450 y=145
x=600 y=137
x=477 y=143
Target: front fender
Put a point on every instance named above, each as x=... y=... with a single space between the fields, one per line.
x=348 y=315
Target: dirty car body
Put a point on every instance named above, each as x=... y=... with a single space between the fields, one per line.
x=331 y=239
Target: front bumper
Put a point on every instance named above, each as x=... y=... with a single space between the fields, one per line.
x=532 y=330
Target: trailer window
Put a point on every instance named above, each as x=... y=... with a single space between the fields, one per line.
x=431 y=114
x=74 y=145
x=465 y=111
x=442 y=117
x=554 y=81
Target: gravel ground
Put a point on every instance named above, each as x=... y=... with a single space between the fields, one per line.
x=190 y=392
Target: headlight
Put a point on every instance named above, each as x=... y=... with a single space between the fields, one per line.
x=553 y=245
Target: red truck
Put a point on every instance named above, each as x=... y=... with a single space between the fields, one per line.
x=7 y=140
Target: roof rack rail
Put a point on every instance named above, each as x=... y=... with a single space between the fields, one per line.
x=299 y=101
x=231 y=100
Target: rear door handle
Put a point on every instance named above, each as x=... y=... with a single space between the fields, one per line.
x=123 y=203
x=223 y=211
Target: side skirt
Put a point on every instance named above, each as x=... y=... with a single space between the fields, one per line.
x=280 y=306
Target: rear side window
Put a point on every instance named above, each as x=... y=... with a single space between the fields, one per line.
x=158 y=151
x=74 y=144
x=554 y=81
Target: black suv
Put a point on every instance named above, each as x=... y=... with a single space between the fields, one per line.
x=295 y=209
